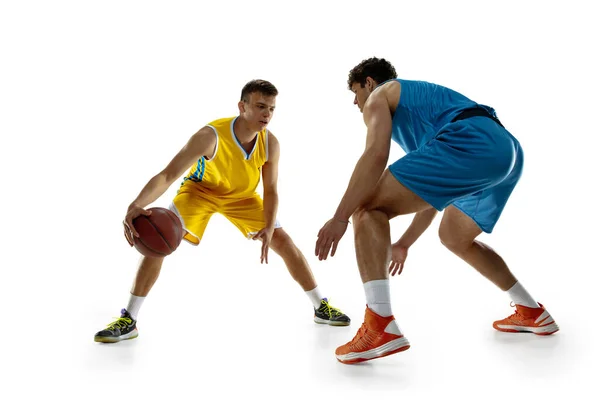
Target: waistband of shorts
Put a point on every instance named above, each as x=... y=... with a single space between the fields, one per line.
x=476 y=112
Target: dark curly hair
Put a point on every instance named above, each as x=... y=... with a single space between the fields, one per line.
x=258 y=85
x=379 y=69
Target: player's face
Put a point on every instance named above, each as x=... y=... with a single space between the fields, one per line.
x=361 y=94
x=258 y=111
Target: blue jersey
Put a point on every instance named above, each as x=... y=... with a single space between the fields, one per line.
x=471 y=163
x=424 y=108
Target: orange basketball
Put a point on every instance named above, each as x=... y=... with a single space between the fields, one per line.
x=160 y=232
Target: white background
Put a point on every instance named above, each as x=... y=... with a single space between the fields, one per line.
x=96 y=97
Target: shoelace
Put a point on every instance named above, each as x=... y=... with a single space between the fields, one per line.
x=331 y=311
x=121 y=322
x=516 y=314
x=359 y=334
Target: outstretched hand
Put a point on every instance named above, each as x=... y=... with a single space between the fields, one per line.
x=399 y=254
x=265 y=234
x=329 y=236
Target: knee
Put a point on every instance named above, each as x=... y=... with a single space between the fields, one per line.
x=358 y=215
x=366 y=216
x=361 y=217
x=281 y=242
x=453 y=241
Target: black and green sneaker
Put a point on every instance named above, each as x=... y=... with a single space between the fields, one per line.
x=330 y=315
x=122 y=329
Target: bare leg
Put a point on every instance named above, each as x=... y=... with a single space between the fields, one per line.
x=380 y=334
x=372 y=244
x=458 y=232
x=372 y=226
x=298 y=267
x=125 y=327
x=147 y=274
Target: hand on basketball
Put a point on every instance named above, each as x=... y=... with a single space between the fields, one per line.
x=132 y=212
x=265 y=235
x=399 y=254
x=329 y=236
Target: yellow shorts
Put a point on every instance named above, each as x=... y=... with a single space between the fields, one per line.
x=195 y=208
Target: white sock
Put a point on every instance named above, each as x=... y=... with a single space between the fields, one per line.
x=315 y=297
x=520 y=296
x=378 y=296
x=135 y=302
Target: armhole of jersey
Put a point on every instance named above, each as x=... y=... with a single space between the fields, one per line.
x=399 y=96
x=216 y=145
x=267 y=146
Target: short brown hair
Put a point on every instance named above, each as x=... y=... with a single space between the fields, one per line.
x=379 y=69
x=258 y=85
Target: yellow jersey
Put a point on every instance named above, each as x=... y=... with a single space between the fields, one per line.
x=231 y=172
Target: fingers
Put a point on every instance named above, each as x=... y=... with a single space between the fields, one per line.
x=129 y=223
x=324 y=249
x=264 y=250
x=130 y=232
x=324 y=245
x=396 y=268
x=265 y=253
x=260 y=235
x=127 y=233
x=322 y=242
x=327 y=238
x=318 y=244
x=393 y=268
x=334 y=248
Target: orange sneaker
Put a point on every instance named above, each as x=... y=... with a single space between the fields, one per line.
x=377 y=337
x=527 y=319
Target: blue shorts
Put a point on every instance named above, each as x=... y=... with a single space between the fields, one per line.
x=473 y=164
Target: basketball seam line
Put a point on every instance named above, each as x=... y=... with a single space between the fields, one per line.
x=160 y=234
x=177 y=222
x=151 y=249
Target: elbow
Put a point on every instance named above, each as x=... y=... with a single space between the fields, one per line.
x=382 y=158
x=378 y=158
x=166 y=177
x=272 y=193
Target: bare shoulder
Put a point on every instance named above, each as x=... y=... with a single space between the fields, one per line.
x=384 y=97
x=272 y=146
x=391 y=92
x=204 y=141
x=392 y=87
x=273 y=141
x=201 y=143
x=206 y=133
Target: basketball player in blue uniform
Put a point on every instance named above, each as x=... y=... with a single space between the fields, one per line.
x=460 y=160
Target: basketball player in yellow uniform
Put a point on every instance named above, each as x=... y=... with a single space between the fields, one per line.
x=227 y=158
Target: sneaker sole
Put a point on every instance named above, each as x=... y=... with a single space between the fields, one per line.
x=107 y=339
x=332 y=323
x=540 y=330
x=391 y=347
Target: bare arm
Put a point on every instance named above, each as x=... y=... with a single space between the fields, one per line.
x=419 y=224
x=270 y=196
x=202 y=143
x=372 y=163
x=270 y=172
